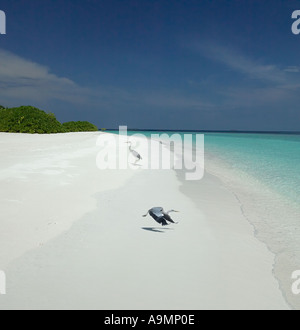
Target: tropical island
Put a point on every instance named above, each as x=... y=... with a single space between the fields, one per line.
x=28 y=119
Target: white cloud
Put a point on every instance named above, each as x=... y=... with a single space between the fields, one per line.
x=242 y=64
x=255 y=97
x=292 y=69
x=24 y=80
x=275 y=86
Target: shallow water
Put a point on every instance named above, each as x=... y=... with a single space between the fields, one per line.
x=272 y=159
x=263 y=172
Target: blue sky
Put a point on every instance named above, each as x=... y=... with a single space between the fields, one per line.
x=173 y=64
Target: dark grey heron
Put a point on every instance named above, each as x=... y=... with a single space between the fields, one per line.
x=160 y=216
x=134 y=153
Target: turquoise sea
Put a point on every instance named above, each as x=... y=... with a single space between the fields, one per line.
x=264 y=175
x=263 y=172
x=273 y=159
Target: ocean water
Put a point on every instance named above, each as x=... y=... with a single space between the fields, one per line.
x=263 y=172
x=274 y=159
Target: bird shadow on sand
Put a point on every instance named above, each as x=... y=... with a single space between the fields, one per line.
x=156 y=230
x=134 y=164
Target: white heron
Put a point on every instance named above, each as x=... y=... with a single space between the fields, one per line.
x=133 y=152
x=160 y=216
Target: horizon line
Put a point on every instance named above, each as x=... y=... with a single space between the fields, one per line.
x=205 y=131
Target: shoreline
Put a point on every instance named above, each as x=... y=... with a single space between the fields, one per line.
x=273 y=234
x=110 y=257
x=210 y=131
x=263 y=257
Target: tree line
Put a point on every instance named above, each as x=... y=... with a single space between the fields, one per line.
x=28 y=119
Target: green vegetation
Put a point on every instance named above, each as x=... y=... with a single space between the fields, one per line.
x=27 y=119
x=79 y=126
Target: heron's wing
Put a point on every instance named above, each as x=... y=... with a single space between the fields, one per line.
x=158 y=211
x=168 y=218
x=137 y=155
x=155 y=216
x=163 y=222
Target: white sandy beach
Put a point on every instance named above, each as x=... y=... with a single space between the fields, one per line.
x=73 y=236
